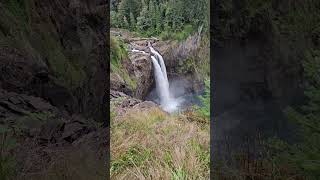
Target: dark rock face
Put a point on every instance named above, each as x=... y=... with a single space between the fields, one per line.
x=143 y=71
x=175 y=54
x=59 y=53
x=18 y=69
x=13 y=105
x=40 y=118
x=53 y=79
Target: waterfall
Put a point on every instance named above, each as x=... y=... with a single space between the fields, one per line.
x=160 y=58
x=167 y=102
x=162 y=84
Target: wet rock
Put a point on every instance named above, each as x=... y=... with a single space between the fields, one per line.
x=116 y=94
x=145 y=105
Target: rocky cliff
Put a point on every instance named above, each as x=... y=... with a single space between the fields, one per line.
x=53 y=84
x=55 y=50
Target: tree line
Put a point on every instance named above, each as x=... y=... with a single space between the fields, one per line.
x=156 y=16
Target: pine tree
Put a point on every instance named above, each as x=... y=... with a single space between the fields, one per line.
x=125 y=23
x=158 y=19
x=143 y=21
x=134 y=7
x=123 y=9
x=132 y=22
x=152 y=14
x=305 y=154
x=114 y=19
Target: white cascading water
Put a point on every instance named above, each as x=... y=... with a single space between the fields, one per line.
x=167 y=102
x=161 y=85
x=160 y=58
x=135 y=50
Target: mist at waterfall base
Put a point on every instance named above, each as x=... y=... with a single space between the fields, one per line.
x=168 y=98
x=180 y=93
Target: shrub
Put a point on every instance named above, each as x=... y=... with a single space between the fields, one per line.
x=204 y=110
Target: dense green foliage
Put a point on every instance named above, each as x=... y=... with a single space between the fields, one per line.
x=119 y=54
x=204 y=110
x=304 y=156
x=154 y=17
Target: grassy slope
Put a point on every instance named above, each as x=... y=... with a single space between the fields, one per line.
x=149 y=144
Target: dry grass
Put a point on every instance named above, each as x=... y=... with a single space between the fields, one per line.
x=73 y=164
x=82 y=161
x=151 y=144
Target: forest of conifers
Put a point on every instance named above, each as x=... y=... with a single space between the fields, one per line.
x=153 y=17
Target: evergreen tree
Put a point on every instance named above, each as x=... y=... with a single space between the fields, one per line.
x=152 y=14
x=114 y=19
x=143 y=21
x=156 y=16
x=304 y=156
x=123 y=9
x=167 y=22
x=134 y=7
x=125 y=23
x=132 y=22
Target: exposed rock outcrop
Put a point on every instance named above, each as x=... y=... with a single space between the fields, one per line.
x=143 y=73
x=122 y=103
x=56 y=50
x=176 y=53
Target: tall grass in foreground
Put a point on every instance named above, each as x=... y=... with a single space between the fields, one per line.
x=150 y=144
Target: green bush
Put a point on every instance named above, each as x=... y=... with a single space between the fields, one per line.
x=118 y=54
x=179 y=35
x=204 y=109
